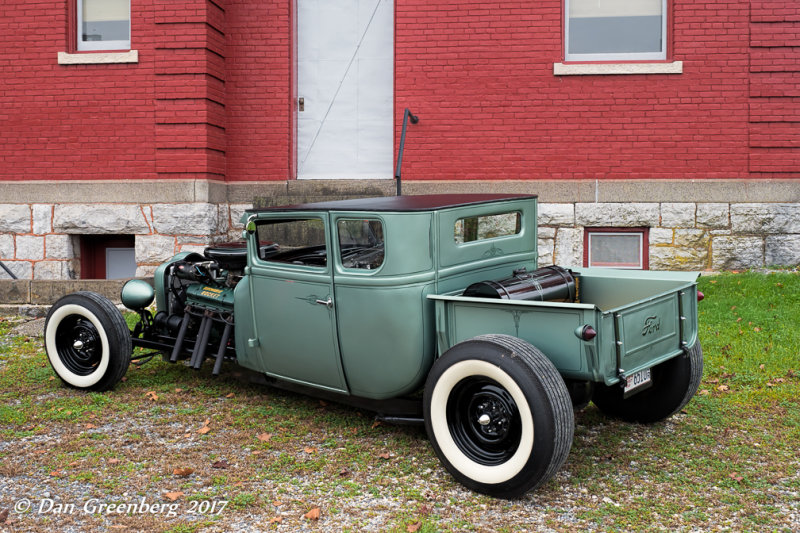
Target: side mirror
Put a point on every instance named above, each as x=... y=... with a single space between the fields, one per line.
x=250 y=227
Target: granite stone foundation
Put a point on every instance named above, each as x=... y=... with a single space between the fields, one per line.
x=40 y=233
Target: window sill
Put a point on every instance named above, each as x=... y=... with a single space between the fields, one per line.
x=603 y=69
x=98 y=58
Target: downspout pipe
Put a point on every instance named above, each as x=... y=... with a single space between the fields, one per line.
x=414 y=119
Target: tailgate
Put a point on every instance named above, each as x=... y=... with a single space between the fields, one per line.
x=649 y=332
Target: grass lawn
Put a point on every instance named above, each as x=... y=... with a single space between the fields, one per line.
x=188 y=442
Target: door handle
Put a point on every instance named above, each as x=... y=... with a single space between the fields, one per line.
x=301 y=103
x=327 y=303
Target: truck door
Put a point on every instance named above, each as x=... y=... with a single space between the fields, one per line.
x=292 y=299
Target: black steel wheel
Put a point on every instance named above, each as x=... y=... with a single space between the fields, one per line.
x=498 y=415
x=87 y=341
x=675 y=382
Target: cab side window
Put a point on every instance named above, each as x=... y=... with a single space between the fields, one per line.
x=360 y=243
x=293 y=241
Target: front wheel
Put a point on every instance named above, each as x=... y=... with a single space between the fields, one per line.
x=87 y=341
x=498 y=414
x=675 y=382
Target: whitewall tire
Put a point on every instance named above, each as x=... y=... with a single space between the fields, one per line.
x=87 y=341
x=498 y=414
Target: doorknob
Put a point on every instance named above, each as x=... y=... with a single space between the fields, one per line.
x=327 y=303
x=301 y=103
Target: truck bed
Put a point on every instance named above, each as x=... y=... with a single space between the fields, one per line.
x=642 y=318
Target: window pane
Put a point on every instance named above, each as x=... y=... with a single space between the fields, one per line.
x=105 y=20
x=487 y=227
x=615 y=26
x=618 y=250
x=361 y=243
x=299 y=242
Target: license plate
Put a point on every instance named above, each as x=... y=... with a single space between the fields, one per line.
x=636 y=382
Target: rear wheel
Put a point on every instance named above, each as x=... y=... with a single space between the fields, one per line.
x=87 y=341
x=498 y=415
x=675 y=382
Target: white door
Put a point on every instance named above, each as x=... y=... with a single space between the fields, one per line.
x=345 y=79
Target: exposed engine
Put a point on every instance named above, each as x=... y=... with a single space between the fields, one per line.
x=196 y=318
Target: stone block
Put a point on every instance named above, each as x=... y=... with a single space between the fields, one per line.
x=21 y=269
x=782 y=250
x=186 y=219
x=14 y=291
x=42 y=218
x=547 y=233
x=557 y=214
x=692 y=238
x=617 y=215
x=712 y=216
x=236 y=212
x=545 y=250
x=765 y=218
x=45 y=292
x=52 y=270
x=146 y=271
x=6 y=246
x=30 y=247
x=568 y=250
x=197 y=248
x=678 y=215
x=59 y=247
x=660 y=236
x=154 y=248
x=737 y=253
x=15 y=218
x=673 y=258
x=104 y=219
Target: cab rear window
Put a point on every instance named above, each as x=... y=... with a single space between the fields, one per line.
x=480 y=228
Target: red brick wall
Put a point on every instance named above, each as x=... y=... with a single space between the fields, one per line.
x=76 y=121
x=211 y=96
x=480 y=76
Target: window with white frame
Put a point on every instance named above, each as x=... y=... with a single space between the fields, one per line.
x=615 y=30
x=104 y=24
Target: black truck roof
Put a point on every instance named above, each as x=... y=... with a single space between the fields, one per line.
x=428 y=202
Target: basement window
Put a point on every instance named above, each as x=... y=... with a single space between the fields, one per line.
x=616 y=248
x=108 y=256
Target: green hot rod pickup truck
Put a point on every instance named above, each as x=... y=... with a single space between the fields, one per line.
x=420 y=308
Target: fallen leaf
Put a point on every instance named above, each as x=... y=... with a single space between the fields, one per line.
x=203 y=430
x=172 y=496
x=736 y=477
x=230 y=395
x=113 y=461
x=762 y=366
x=74 y=463
x=756 y=329
x=222 y=463
x=309 y=449
x=51 y=378
x=257 y=452
x=178 y=390
x=723 y=388
x=207 y=422
x=384 y=455
x=90 y=426
x=413 y=528
x=3 y=516
x=704 y=392
x=313 y=514
x=183 y=471
x=264 y=437
x=344 y=472
x=151 y=395
x=376 y=424
x=276 y=520
x=56 y=473
x=276 y=503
